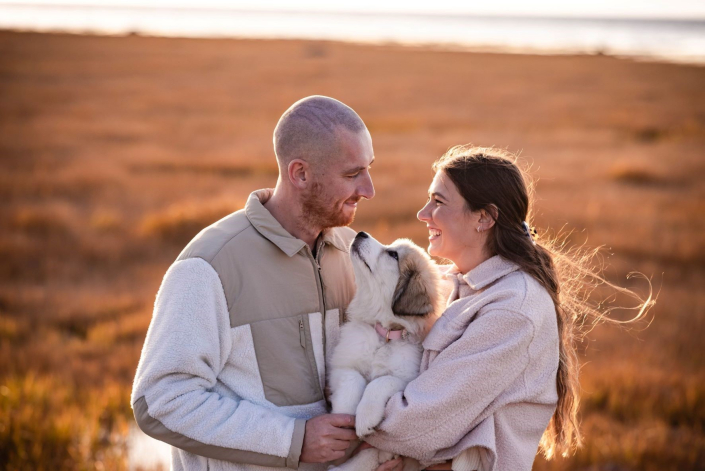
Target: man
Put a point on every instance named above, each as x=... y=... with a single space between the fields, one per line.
x=232 y=372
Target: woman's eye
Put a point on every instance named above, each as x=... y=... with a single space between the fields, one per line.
x=393 y=254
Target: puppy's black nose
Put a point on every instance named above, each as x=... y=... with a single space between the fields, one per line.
x=362 y=235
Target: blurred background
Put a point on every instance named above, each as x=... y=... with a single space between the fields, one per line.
x=126 y=127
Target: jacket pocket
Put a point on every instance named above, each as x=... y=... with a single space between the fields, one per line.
x=287 y=361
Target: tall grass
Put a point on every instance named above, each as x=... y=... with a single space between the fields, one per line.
x=49 y=424
x=108 y=167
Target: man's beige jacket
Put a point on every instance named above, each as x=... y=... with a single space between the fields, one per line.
x=234 y=359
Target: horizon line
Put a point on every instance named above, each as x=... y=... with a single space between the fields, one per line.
x=514 y=16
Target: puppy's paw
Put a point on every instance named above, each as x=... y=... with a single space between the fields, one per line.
x=368 y=415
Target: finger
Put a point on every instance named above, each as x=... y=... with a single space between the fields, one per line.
x=339 y=445
x=335 y=455
x=342 y=434
x=390 y=465
x=341 y=420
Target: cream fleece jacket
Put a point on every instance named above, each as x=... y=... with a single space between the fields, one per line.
x=488 y=375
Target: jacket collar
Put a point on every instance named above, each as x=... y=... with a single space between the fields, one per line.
x=485 y=273
x=269 y=227
x=332 y=237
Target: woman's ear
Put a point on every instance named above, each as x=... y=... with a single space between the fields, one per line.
x=488 y=217
x=299 y=173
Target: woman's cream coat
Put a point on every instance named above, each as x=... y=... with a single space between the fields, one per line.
x=488 y=375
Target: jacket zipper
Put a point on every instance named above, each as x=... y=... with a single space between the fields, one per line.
x=319 y=282
x=319 y=254
x=302 y=334
x=321 y=300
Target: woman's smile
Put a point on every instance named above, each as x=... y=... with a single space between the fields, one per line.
x=433 y=234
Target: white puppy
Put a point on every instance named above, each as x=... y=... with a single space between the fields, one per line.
x=379 y=352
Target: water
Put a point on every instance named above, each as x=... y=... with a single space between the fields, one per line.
x=671 y=40
x=144 y=452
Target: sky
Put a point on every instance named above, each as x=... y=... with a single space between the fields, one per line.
x=687 y=9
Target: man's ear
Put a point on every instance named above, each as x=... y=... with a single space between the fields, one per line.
x=299 y=173
x=410 y=295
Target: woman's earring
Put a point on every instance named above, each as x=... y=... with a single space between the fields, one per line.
x=478 y=229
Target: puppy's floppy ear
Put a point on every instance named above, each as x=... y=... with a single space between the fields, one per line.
x=410 y=296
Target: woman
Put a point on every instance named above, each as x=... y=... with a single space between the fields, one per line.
x=499 y=375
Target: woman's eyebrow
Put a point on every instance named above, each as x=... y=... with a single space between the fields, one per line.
x=435 y=194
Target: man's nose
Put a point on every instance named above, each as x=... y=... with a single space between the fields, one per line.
x=366 y=189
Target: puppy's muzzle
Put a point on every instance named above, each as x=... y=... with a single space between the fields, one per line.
x=361 y=236
x=355 y=247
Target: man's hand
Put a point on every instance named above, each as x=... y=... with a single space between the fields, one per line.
x=327 y=437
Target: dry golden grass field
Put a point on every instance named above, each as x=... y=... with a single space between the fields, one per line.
x=114 y=152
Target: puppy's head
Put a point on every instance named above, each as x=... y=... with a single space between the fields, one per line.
x=396 y=284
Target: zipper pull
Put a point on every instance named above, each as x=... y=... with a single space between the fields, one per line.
x=302 y=334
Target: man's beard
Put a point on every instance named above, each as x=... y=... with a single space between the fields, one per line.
x=319 y=211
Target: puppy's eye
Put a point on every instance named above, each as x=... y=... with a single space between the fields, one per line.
x=393 y=254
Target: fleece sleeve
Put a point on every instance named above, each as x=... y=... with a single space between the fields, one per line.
x=462 y=385
x=187 y=345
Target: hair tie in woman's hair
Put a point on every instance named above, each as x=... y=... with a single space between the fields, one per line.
x=529 y=232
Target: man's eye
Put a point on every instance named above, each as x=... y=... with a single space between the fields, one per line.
x=393 y=254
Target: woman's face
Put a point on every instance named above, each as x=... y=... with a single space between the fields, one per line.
x=452 y=227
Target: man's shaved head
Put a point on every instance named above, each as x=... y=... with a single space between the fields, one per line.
x=324 y=152
x=309 y=130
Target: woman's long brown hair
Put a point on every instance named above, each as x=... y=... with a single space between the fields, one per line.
x=490 y=179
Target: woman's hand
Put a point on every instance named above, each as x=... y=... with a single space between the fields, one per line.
x=391 y=465
x=441 y=466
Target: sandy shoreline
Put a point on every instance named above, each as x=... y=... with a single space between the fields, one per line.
x=420 y=46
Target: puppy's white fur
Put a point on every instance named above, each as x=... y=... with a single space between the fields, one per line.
x=366 y=370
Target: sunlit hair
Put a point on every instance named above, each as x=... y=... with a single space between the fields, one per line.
x=490 y=179
x=308 y=129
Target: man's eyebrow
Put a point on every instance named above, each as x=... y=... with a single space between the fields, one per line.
x=358 y=169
